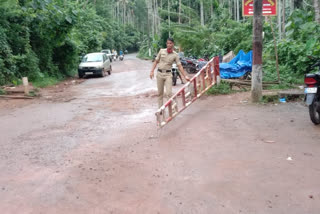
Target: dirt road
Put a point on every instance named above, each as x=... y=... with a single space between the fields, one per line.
x=95 y=148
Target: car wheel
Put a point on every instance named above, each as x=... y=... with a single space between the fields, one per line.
x=109 y=72
x=102 y=73
x=81 y=75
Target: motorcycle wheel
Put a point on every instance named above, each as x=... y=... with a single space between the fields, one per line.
x=314 y=113
x=174 y=79
x=194 y=70
x=188 y=70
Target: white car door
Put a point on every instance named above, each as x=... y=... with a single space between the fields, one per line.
x=105 y=62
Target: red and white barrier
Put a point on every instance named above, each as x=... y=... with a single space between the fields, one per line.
x=208 y=76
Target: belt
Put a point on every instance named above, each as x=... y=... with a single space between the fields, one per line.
x=167 y=71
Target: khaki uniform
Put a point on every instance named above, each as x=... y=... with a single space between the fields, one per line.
x=164 y=78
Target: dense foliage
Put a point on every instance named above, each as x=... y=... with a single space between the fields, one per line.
x=302 y=40
x=223 y=29
x=45 y=38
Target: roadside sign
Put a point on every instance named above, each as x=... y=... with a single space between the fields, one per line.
x=269 y=7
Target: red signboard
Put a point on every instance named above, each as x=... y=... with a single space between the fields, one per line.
x=269 y=7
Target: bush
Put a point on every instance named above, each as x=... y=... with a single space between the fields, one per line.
x=45 y=81
x=302 y=40
x=43 y=39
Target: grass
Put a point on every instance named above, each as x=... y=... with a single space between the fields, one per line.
x=34 y=93
x=45 y=82
x=282 y=86
x=270 y=99
x=222 y=88
x=145 y=57
x=2 y=92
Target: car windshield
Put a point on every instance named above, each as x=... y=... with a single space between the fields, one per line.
x=106 y=51
x=93 y=58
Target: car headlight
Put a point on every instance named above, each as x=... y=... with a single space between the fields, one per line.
x=80 y=67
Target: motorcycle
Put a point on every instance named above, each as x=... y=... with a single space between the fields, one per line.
x=312 y=91
x=190 y=65
x=204 y=59
x=121 y=57
x=175 y=74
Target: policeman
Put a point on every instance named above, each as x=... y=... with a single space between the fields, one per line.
x=165 y=59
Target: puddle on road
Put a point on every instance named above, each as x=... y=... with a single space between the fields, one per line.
x=117 y=85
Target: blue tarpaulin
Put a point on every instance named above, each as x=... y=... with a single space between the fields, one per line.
x=237 y=67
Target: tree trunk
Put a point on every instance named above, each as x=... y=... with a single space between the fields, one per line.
x=179 y=11
x=169 y=18
x=148 y=25
x=85 y=4
x=316 y=10
x=189 y=12
x=284 y=18
x=256 y=89
x=201 y=13
x=118 y=11
x=157 y=17
x=152 y=9
x=211 y=9
x=124 y=12
x=238 y=11
x=298 y=4
x=234 y=10
x=230 y=8
x=279 y=19
x=275 y=48
x=291 y=6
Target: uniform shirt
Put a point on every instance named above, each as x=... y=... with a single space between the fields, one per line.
x=166 y=59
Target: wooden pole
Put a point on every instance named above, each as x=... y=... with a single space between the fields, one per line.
x=275 y=49
x=26 y=85
x=256 y=88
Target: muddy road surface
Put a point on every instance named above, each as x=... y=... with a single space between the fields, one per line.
x=95 y=148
